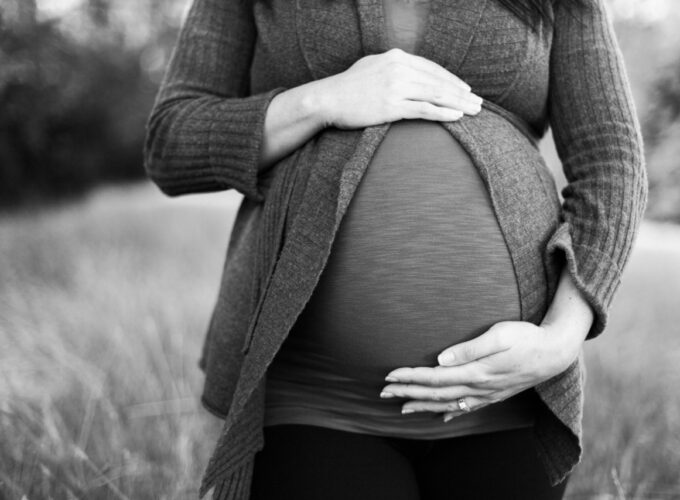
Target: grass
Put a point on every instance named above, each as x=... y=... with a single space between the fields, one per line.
x=103 y=306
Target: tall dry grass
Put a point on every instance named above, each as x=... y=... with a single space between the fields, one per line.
x=103 y=312
x=103 y=306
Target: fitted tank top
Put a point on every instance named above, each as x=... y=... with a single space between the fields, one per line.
x=418 y=264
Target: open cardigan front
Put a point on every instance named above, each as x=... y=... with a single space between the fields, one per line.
x=205 y=134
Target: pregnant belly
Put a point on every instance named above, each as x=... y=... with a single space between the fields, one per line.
x=419 y=263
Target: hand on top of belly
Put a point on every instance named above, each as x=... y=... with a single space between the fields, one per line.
x=508 y=358
x=391 y=86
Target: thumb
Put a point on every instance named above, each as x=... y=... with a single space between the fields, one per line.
x=485 y=345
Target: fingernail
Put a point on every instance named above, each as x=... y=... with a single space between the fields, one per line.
x=385 y=394
x=445 y=359
x=390 y=378
x=476 y=99
x=447 y=418
x=404 y=411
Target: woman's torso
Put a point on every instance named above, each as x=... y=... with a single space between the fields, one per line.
x=419 y=263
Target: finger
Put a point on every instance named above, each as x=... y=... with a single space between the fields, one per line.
x=428 y=111
x=423 y=64
x=442 y=94
x=490 y=342
x=443 y=86
x=434 y=376
x=427 y=393
x=473 y=404
x=450 y=407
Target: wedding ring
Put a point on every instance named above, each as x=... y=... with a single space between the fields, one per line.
x=463 y=405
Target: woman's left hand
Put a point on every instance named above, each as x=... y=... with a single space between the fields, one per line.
x=508 y=358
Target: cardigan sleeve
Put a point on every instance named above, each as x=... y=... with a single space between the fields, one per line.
x=598 y=140
x=204 y=132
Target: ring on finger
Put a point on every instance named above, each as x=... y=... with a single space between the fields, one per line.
x=463 y=406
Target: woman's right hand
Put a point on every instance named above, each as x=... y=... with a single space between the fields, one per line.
x=376 y=89
x=391 y=86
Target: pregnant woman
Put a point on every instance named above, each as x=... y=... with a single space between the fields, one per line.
x=404 y=298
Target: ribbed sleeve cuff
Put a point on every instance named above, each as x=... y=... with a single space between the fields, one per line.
x=236 y=132
x=209 y=144
x=594 y=273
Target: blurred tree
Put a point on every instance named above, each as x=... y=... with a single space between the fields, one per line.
x=665 y=108
x=98 y=11
x=18 y=13
x=72 y=113
x=662 y=135
x=60 y=109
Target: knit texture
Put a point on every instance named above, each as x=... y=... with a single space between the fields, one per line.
x=205 y=132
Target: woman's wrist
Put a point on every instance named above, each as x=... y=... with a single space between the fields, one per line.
x=293 y=117
x=567 y=322
x=318 y=102
x=563 y=343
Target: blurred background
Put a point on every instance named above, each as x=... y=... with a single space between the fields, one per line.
x=106 y=286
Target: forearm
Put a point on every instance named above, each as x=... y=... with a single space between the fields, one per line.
x=293 y=117
x=569 y=319
x=204 y=131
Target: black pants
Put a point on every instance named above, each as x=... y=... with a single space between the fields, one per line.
x=304 y=462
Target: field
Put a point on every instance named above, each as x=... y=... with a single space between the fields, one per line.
x=103 y=305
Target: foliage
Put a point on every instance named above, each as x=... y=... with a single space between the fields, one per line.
x=661 y=125
x=71 y=114
x=666 y=103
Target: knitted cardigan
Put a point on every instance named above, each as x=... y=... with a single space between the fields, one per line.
x=205 y=132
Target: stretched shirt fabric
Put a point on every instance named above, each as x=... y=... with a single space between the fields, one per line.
x=418 y=264
x=405 y=21
x=205 y=134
